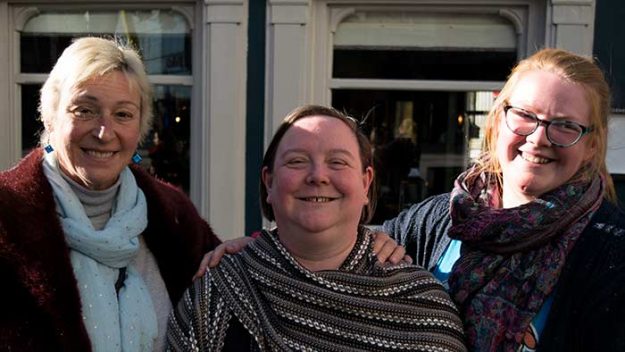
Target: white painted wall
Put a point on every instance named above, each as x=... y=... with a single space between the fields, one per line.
x=616 y=145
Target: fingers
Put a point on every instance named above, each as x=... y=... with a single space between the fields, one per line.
x=383 y=246
x=237 y=245
x=216 y=255
x=387 y=249
x=213 y=257
x=379 y=239
x=408 y=259
x=397 y=255
x=203 y=264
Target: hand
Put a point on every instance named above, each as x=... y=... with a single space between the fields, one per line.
x=212 y=258
x=387 y=250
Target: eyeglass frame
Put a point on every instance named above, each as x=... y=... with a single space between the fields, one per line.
x=546 y=123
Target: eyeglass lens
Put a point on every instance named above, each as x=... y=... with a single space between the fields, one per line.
x=559 y=132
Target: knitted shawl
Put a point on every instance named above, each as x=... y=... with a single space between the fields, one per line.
x=283 y=306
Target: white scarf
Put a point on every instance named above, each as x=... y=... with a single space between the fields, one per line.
x=114 y=322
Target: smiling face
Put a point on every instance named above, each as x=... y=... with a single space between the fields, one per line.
x=317 y=183
x=97 y=129
x=531 y=165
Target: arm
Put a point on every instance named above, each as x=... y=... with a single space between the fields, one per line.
x=422 y=230
x=212 y=258
x=176 y=234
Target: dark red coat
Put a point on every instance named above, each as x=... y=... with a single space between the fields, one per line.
x=39 y=301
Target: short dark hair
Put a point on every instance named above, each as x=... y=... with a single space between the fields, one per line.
x=364 y=147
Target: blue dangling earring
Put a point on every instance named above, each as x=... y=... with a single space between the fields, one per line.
x=136 y=158
x=48 y=148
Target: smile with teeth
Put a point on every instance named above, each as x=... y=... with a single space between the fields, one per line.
x=99 y=155
x=534 y=159
x=317 y=199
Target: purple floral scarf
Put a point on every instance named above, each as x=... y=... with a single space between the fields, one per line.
x=511 y=258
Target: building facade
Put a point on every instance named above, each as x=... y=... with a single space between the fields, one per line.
x=422 y=73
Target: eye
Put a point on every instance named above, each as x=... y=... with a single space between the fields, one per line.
x=124 y=115
x=526 y=115
x=337 y=163
x=84 y=112
x=567 y=126
x=296 y=162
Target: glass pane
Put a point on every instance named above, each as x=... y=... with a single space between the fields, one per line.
x=422 y=140
x=166 y=149
x=619 y=185
x=31 y=123
x=419 y=64
x=163 y=37
x=426 y=30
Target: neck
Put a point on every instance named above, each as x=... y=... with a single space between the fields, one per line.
x=319 y=251
x=98 y=204
x=511 y=199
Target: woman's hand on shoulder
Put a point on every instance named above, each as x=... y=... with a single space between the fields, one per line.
x=387 y=250
x=212 y=258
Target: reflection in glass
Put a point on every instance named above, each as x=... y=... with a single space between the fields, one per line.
x=163 y=37
x=31 y=122
x=166 y=149
x=422 y=140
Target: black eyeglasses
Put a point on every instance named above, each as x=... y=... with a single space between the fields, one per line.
x=561 y=133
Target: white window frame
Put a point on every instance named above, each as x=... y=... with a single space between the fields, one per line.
x=331 y=13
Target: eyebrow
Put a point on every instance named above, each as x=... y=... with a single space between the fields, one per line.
x=94 y=99
x=332 y=151
x=552 y=117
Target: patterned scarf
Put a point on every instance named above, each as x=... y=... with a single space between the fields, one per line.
x=511 y=258
x=362 y=306
x=124 y=321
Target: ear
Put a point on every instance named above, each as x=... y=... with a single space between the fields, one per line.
x=367 y=179
x=589 y=151
x=47 y=124
x=267 y=179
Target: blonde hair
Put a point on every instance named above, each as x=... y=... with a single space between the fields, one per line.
x=572 y=68
x=85 y=59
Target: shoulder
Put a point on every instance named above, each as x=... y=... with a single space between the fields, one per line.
x=606 y=230
x=25 y=176
x=609 y=220
x=432 y=210
x=167 y=204
x=25 y=194
x=437 y=206
x=600 y=249
x=157 y=190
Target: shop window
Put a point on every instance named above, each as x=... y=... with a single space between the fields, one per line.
x=163 y=38
x=384 y=68
x=422 y=140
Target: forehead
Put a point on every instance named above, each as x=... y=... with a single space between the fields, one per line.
x=548 y=93
x=318 y=130
x=114 y=85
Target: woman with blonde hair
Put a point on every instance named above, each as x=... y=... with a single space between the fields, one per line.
x=93 y=252
x=530 y=240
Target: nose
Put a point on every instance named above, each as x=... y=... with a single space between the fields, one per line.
x=104 y=129
x=317 y=174
x=539 y=137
